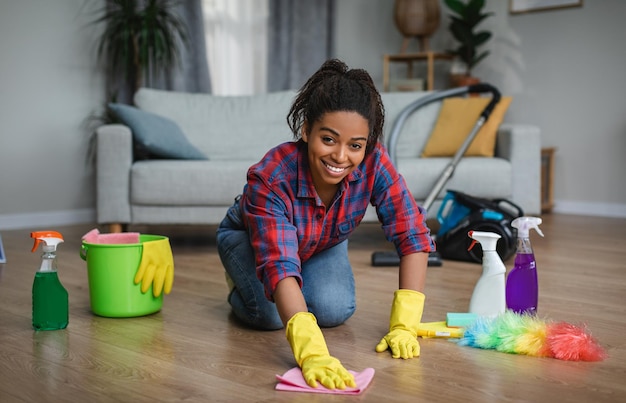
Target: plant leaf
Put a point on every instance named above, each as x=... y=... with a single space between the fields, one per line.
x=481 y=37
x=456 y=5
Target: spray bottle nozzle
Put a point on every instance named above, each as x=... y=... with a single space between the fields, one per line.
x=49 y=238
x=524 y=225
x=488 y=240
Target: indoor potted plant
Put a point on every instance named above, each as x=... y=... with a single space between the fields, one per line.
x=465 y=17
x=140 y=40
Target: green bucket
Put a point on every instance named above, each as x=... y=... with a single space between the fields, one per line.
x=111 y=270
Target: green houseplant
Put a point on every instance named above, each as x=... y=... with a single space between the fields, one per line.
x=467 y=15
x=140 y=40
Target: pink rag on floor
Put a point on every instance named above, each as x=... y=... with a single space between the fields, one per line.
x=94 y=236
x=293 y=381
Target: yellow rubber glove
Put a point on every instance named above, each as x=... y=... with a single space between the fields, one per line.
x=156 y=268
x=406 y=314
x=309 y=348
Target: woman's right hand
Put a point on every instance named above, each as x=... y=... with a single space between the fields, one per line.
x=311 y=354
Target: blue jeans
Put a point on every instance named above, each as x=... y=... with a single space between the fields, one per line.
x=327 y=280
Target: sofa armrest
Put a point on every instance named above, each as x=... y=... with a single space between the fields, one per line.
x=114 y=157
x=521 y=145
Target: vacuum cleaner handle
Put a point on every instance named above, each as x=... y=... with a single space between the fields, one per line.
x=495 y=96
x=512 y=208
x=434 y=259
x=449 y=169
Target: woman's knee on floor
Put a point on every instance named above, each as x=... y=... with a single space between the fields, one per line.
x=331 y=313
x=261 y=318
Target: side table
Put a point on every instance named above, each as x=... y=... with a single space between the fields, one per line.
x=408 y=58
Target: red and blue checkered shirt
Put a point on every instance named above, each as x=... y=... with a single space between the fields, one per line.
x=288 y=223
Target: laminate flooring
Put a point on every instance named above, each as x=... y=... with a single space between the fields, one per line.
x=194 y=350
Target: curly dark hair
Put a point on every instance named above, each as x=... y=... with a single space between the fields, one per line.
x=335 y=87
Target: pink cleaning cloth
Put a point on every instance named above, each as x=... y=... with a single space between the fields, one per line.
x=91 y=236
x=94 y=236
x=293 y=381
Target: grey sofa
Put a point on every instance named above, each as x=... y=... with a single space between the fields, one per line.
x=235 y=132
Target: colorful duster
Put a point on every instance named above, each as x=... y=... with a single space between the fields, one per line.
x=525 y=334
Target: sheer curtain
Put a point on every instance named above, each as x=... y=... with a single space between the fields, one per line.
x=236 y=45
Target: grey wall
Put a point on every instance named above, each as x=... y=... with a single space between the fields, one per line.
x=48 y=86
x=564 y=69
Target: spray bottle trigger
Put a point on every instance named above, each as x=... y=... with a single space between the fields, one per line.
x=470 y=233
x=36 y=245
x=48 y=237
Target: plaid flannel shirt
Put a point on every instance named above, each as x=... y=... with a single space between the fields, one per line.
x=288 y=223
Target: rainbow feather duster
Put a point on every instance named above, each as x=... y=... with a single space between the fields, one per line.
x=525 y=334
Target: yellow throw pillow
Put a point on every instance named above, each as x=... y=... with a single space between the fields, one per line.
x=457 y=118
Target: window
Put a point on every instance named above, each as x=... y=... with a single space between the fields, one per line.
x=236 y=40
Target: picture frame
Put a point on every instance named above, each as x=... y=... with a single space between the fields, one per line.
x=527 y=6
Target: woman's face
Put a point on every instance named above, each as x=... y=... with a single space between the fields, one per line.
x=336 y=146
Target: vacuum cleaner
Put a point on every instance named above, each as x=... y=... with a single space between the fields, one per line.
x=468 y=211
x=460 y=213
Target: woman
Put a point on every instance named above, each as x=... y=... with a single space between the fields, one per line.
x=284 y=241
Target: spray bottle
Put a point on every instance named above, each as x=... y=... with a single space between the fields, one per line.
x=50 y=299
x=488 y=298
x=522 y=288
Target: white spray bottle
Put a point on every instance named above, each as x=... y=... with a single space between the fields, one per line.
x=488 y=298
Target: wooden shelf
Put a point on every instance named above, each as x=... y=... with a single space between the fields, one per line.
x=409 y=58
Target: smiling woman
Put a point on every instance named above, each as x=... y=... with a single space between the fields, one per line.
x=290 y=227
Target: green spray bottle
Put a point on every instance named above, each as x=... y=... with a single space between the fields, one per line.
x=50 y=299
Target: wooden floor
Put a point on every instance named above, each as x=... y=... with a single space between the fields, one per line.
x=194 y=351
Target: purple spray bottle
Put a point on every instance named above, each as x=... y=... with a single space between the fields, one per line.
x=522 y=288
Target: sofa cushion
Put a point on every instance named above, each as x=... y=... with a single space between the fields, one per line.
x=457 y=118
x=480 y=177
x=225 y=127
x=187 y=183
x=160 y=136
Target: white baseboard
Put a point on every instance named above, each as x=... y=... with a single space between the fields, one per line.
x=47 y=219
x=589 y=208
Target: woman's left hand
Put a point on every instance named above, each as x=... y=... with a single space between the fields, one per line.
x=406 y=314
